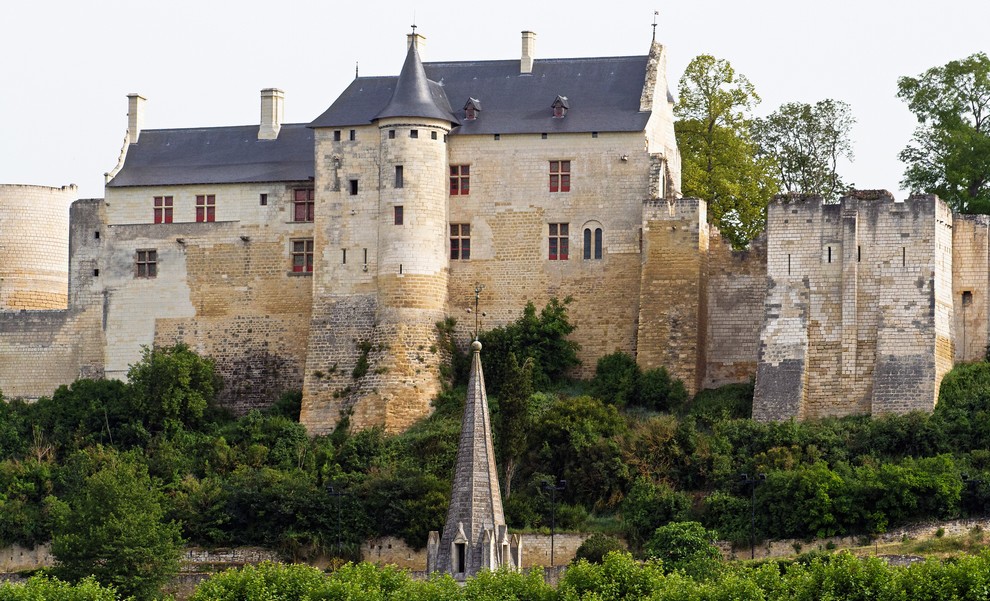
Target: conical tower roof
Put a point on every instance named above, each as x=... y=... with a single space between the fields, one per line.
x=475 y=501
x=415 y=95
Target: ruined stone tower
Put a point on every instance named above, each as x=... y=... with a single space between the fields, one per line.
x=475 y=536
x=380 y=283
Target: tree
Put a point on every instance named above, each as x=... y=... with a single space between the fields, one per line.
x=719 y=162
x=686 y=546
x=515 y=418
x=806 y=142
x=949 y=154
x=173 y=386
x=113 y=528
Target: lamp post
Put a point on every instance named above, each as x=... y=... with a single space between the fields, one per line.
x=478 y=288
x=752 y=482
x=336 y=492
x=553 y=511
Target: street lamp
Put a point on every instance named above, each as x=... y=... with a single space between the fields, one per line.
x=334 y=492
x=553 y=510
x=752 y=482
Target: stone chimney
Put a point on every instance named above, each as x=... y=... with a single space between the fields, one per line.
x=528 y=52
x=272 y=100
x=419 y=40
x=135 y=116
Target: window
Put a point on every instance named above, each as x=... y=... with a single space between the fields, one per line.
x=413 y=133
x=560 y=106
x=460 y=241
x=163 y=209
x=460 y=180
x=543 y=136
x=354 y=187
x=391 y=134
x=263 y=200
x=593 y=249
x=96 y=235
x=433 y=135
x=302 y=256
x=303 y=204
x=146 y=263
x=397 y=214
x=398 y=176
x=353 y=135
x=967 y=298
x=558 y=241
x=206 y=207
x=498 y=137
x=336 y=135
x=460 y=557
x=560 y=176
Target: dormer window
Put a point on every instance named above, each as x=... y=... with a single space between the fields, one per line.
x=471 y=109
x=560 y=106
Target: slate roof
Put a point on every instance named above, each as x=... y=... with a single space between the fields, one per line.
x=215 y=155
x=603 y=93
x=415 y=95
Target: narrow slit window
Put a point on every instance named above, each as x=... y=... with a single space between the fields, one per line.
x=859 y=254
x=354 y=187
x=343 y=256
x=398 y=176
x=397 y=214
x=829 y=254
x=903 y=256
x=788 y=264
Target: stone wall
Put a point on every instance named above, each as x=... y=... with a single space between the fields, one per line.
x=971 y=285
x=535 y=548
x=34 y=247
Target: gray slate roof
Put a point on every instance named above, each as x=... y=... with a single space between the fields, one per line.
x=215 y=155
x=415 y=95
x=603 y=93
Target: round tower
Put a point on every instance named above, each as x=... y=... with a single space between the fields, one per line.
x=34 y=246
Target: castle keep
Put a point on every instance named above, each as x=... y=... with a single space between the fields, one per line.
x=320 y=256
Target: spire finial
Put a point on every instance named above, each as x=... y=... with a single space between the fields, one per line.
x=656 y=13
x=355 y=69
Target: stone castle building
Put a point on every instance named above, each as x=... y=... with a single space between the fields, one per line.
x=320 y=256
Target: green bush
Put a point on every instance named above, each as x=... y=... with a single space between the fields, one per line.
x=686 y=546
x=44 y=588
x=597 y=546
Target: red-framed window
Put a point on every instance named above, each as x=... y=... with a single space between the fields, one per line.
x=302 y=255
x=146 y=263
x=558 y=241
x=560 y=176
x=303 y=204
x=460 y=241
x=163 y=209
x=460 y=180
x=206 y=208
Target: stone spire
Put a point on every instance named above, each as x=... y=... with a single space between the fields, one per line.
x=415 y=95
x=475 y=536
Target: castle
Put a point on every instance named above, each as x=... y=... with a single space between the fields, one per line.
x=321 y=256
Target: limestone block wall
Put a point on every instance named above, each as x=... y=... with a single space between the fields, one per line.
x=225 y=288
x=737 y=290
x=970 y=286
x=510 y=230
x=859 y=306
x=673 y=311
x=34 y=246
x=535 y=551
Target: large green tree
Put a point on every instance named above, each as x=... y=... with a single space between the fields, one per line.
x=173 y=386
x=806 y=143
x=719 y=162
x=949 y=154
x=113 y=528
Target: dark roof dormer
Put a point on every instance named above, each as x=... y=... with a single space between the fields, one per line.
x=560 y=106
x=415 y=95
x=472 y=108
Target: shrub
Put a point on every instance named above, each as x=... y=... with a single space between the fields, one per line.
x=597 y=546
x=686 y=546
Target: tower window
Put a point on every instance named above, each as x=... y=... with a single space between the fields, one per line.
x=354 y=187
x=413 y=133
x=560 y=176
x=397 y=214
x=558 y=241
x=460 y=180
x=398 y=176
x=303 y=204
x=433 y=135
x=391 y=134
x=967 y=298
x=460 y=241
x=163 y=209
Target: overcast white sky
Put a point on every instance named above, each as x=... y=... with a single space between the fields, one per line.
x=67 y=66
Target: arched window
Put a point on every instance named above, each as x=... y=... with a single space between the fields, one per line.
x=593 y=243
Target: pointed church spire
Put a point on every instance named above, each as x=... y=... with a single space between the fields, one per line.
x=415 y=95
x=475 y=535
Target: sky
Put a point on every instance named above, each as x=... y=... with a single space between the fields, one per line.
x=66 y=66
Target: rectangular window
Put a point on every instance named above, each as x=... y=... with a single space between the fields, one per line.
x=558 y=241
x=560 y=176
x=263 y=200
x=460 y=558
x=146 y=263
x=206 y=207
x=302 y=256
x=413 y=133
x=353 y=135
x=336 y=135
x=460 y=241
x=391 y=134
x=354 y=187
x=433 y=135
x=397 y=214
x=398 y=176
x=460 y=180
x=163 y=209
x=303 y=204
